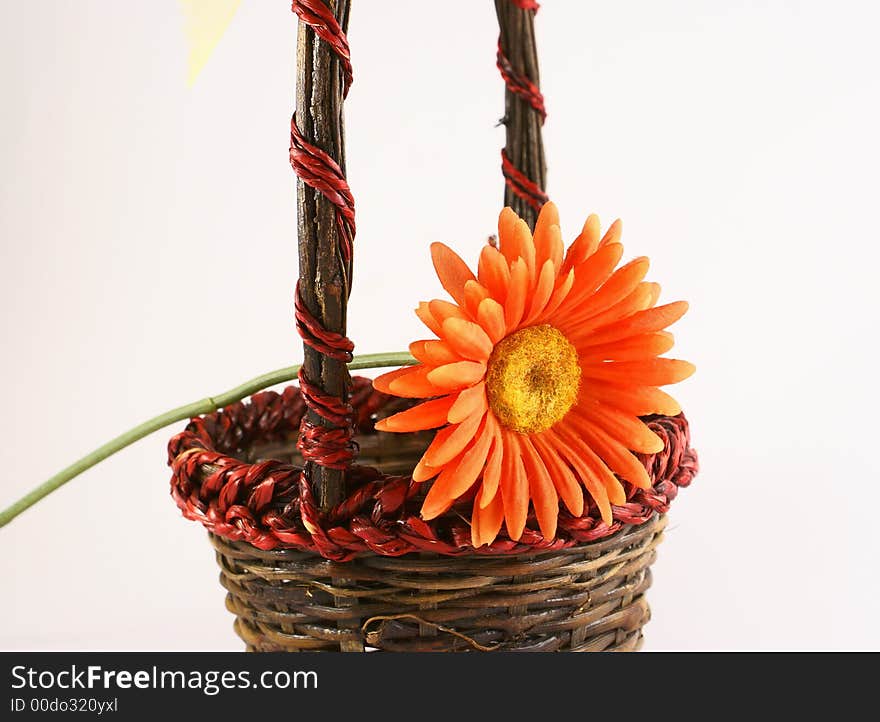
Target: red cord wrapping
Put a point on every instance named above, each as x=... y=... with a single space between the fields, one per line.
x=319 y=17
x=526 y=4
x=319 y=171
x=331 y=446
x=270 y=505
x=329 y=343
x=520 y=184
x=520 y=84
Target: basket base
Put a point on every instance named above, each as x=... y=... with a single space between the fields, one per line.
x=586 y=598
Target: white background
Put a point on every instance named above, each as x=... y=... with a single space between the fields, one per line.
x=149 y=258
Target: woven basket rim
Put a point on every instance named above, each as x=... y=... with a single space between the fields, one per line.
x=655 y=525
x=270 y=504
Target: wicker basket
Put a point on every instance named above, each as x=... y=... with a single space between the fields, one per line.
x=319 y=553
x=560 y=595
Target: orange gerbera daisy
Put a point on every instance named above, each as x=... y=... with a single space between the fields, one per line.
x=538 y=376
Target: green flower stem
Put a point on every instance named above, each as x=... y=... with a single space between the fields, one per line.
x=182 y=413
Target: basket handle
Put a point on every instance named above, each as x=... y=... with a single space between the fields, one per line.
x=522 y=158
x=325 y=206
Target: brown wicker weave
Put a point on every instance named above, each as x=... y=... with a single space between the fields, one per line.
x=587 y=598
x=319 y=553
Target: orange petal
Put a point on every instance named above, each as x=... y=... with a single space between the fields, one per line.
x=468 y=402
x=563 y=479
x=526 y=248
x=439 y=497
x=427 y=318
x=541 y=489
x=592 y=273
x=467 y=339
x=492 y=472
x=428 y=415
x=543 y=291
x=585 y=474
x=620 y=285
x=645 y=345
x=556 y=248
x=474 y=292
x=441 y=310
x=584 y=245
x=620 y=459
x=646 y=372
x=635 y=400
x=643 y=297
x=458 y=375
x=490 y=315
x=547 y=216
x=433 y=353
x=494 y=273
x=446 y=446
x=548 y=237
x=472 y=462
x=507 y=221
x=415 y=384
x=517 y=291
x=383 y=382
x=612 y=235
x=563 y=288
x=519 y=244
x=514 y=487
x=652 y=319
x=508 y=235
x=424 y=471
x=613 y=487
x=629 y=430
x=551 y=248
x=451 y=270
x=487 y=519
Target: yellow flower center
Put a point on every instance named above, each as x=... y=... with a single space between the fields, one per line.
x=532 y=379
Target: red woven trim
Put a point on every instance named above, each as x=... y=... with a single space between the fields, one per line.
x=521 y=185
x=270 y=505
x=520 y=84
x=329 y=343
x=319 y=171
x=526 y=4
x=318 y=16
